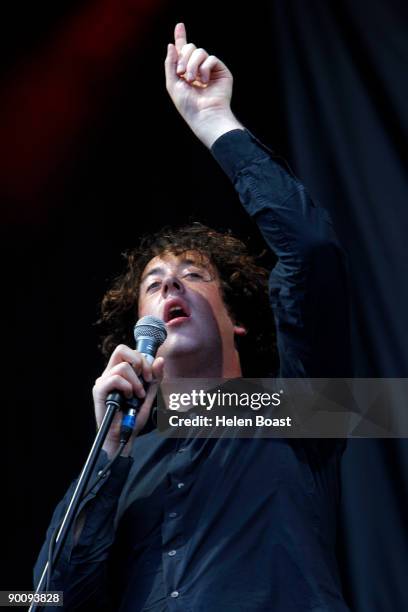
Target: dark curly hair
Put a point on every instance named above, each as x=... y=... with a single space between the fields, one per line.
x=244 y=286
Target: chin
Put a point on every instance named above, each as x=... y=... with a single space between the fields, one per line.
x=178 y=346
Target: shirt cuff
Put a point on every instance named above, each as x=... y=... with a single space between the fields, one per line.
x=116 y=475
x=235 y=149
x=114 y=479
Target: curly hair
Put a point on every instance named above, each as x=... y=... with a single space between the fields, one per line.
x=244 y=286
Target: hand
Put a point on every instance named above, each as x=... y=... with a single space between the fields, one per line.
x=200 y=86
x=123 y=373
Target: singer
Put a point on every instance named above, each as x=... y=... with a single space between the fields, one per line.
x=217 y=525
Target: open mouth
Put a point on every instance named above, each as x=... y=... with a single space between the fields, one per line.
x=175 y=312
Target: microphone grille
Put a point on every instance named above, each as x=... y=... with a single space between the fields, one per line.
x=150 y=327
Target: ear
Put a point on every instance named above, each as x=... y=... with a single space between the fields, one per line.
x=239 y=330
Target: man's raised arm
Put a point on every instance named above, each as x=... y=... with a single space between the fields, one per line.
x=308 y=286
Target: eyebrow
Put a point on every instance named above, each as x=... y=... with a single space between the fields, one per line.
x=157 y=270
x=160 y=269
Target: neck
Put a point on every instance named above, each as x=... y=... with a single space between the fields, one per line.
x=188 y=366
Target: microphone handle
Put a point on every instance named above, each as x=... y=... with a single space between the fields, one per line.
x=132 y=407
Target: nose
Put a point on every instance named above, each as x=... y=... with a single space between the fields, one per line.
x=172 y=284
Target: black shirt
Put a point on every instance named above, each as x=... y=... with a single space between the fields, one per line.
x=219 y=525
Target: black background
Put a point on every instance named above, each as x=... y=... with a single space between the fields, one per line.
x=93 y=155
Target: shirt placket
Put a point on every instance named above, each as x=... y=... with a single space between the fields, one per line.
x=173 y=536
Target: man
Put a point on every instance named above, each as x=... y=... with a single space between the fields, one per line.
x=217 y=524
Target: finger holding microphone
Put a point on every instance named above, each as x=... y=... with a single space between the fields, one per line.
x=130 y=381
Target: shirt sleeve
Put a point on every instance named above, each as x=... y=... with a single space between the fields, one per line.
x=308 y=285
x=80 y=571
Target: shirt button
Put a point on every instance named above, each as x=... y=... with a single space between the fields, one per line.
x=172 y=514
x=174 y=594
x=171 y=553
x=180 y=485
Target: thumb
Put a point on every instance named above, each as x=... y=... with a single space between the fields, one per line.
x=158 y=369
x=170 y=66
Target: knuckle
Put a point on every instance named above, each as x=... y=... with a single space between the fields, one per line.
x=120 y=348
x=123 y=367
x=119 y=382
x=97 y=385
x=188 y=48
x=136 y=365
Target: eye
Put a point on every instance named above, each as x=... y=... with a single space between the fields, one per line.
x=194 y=275
x=154 y=285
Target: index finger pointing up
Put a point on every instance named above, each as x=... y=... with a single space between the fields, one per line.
x=180 y=36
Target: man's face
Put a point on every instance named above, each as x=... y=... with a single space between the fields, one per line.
x=184 y=291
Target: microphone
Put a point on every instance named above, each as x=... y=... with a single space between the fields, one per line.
x=149 y=333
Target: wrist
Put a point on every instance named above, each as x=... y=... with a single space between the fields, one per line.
x=213 y=124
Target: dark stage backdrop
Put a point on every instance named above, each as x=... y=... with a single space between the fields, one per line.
x=93 y=155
